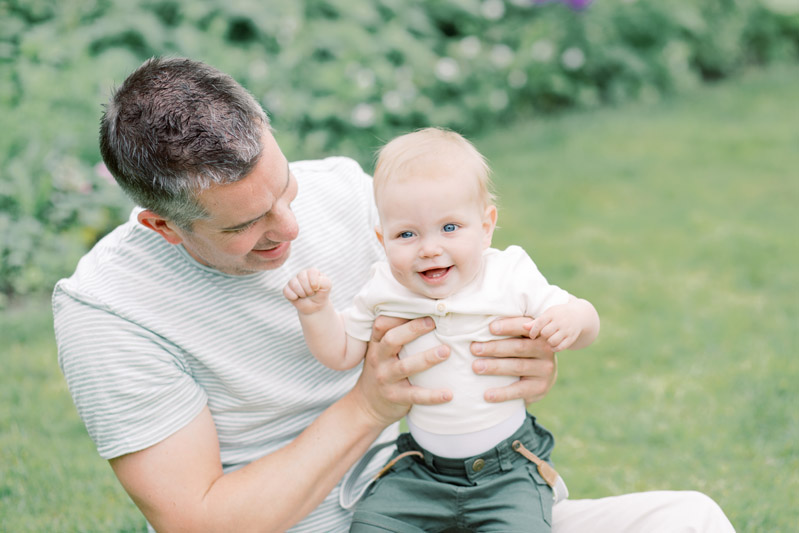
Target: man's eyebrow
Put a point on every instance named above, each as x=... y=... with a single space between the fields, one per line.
x=259 y=217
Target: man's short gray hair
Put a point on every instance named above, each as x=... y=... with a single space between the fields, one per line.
x=175 y=127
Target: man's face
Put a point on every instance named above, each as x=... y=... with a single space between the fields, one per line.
x=251 y=225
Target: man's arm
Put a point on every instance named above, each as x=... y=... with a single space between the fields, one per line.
x=178 y=484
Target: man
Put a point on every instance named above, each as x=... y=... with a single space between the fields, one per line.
x=188 y=366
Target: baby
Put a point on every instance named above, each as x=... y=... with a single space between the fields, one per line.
x=475 y=464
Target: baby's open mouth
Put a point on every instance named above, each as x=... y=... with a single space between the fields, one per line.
x=434 y=273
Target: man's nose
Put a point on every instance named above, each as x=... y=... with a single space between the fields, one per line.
x=285 y=226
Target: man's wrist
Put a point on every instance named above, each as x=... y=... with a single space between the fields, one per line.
x=366 y=413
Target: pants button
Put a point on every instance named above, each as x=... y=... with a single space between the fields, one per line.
x=478 y=465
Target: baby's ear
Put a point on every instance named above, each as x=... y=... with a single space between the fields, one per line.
x=379 y=234
x=489 y=224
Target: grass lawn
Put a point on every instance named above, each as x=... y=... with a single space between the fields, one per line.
x=677 y=219
x=680 y=222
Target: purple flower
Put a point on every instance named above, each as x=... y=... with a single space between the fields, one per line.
x=576 y=5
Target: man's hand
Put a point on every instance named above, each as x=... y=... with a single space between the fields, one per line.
x=533 y=360
x=384 y=381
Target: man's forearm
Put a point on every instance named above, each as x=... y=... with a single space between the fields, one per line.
x=278 y=490
x=178 y=484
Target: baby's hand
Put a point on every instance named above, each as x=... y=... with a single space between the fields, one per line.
x=308 y=291
x=558 y=325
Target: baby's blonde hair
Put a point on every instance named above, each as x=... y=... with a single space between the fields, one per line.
x=400 y=155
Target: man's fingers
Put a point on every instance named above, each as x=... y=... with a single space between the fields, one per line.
x=530 y=389
x=516 y=366
x=513 y=347
x=418 y=362
x=420 y=396
x=512 y=327
x=400 y=331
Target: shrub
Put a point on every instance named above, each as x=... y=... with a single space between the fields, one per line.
x=336 y=76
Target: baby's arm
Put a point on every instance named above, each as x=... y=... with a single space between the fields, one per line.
x=322 y=326
x=572 y=325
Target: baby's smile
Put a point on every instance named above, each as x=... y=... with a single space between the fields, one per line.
x=435 y=275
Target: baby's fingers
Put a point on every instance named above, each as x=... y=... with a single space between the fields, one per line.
x=313 y=281
x=322 y=283
x=294 y=289
x=536 y=326
x=289 y=293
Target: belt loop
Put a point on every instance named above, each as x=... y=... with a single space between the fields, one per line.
x=428 y=460
x=505 y=456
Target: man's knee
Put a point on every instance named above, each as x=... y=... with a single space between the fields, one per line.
x=699 y=513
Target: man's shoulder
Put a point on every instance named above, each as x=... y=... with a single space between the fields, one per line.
x=123 y=258
x=330 y=166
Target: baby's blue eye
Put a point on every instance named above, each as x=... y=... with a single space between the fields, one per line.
x=449 y=228
x=406 y=235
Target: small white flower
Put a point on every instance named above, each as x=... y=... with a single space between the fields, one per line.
x=365 y=78
x=501 y=55
x=363 y=115
x=572 y=58
x=392 y=101
x=273 y=102
x=470 y=46
x=493 y=9
x=288 y=29
x=542 y=50
x=498 y=100
x=517 y=79
x=447 y=69
x=258 y=70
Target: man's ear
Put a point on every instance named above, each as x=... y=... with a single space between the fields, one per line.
x=489 y=224
x=379 y=233
x=160 y=225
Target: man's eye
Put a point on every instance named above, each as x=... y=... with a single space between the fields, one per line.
x=449 y=228
x=242 y=229
x=405 y=235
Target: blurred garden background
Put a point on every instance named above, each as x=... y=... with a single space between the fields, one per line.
x=646 y=154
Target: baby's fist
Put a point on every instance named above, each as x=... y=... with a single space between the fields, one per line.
x=308 y=291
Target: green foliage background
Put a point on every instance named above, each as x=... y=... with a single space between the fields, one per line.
x=677 y=219
x=336 y=76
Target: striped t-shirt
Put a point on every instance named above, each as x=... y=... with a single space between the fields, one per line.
x=147 y=336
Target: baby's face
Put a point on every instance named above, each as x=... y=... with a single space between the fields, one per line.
x=434 y=230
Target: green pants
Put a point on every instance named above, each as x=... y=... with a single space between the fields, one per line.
x=499 y=490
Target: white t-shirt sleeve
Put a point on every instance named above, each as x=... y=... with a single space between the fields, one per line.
x=360 y=315
x=539 y=295
x=130 y=386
